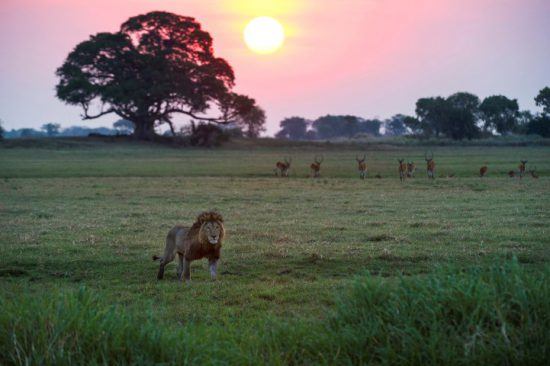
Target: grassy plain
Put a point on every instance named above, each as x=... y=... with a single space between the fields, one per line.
x=92 y=215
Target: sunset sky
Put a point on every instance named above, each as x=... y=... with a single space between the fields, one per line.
x=371 y=58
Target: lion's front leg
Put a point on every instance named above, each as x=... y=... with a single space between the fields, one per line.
x=213 y=264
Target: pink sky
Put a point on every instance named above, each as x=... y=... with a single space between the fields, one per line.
x=371 y=58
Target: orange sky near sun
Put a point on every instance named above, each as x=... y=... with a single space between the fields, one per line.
x=364 y=57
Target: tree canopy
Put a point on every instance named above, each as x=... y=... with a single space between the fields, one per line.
x=327 y=127
x=499 y=113
x=157 y=65
x=395 y=126
x=455 y=117
x=51 y=129
x=539 y=125
x=253 y=122
x=543 y=100
x=293 y=128
x=334 y=126
x=463 y=116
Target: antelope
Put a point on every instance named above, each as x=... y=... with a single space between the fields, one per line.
x=316 y=167
x=511 y=174
x=411 y=168
x=362 y=166
x=402 y=169
x=430 y=165
x=522 y=168
x=283 y=167
x=483 y=171
x=533 y=173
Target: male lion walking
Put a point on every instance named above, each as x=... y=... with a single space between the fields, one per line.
x=202 y=240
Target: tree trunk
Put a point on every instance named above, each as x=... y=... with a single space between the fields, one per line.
x=144 y=130
x=171 y=128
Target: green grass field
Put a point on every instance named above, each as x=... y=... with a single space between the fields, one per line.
x=78 y=226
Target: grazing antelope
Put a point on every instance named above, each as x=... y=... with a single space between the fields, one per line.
x=411 y=168
x=316 y=167
x=533 y=173
x=511 y=174
x=522 y=168
x=362 y=166
x=402 y=169
x=483 y=171
x=430 y=165
x=283 y=168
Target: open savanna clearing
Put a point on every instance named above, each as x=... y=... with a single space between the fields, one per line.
x=93 y=216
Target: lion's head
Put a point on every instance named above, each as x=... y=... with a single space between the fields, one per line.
x=211 y=228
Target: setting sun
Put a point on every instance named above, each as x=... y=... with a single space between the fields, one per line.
x=264 y=35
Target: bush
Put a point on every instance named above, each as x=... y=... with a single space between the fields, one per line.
x=208 y=135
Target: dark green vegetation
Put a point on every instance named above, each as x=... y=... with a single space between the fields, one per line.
x=497 y=315
x=293 y=287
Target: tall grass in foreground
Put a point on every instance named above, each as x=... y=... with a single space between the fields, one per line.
x=496 y=315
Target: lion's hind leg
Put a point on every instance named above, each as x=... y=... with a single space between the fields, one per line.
x=169 y=255
x=180 y=266
x=184 y=268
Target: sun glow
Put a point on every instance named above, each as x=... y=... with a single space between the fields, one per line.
x=264 y=35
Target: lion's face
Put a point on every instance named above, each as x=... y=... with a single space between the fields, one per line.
x=213 y=232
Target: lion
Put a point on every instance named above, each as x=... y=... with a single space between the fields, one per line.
x=202 y=240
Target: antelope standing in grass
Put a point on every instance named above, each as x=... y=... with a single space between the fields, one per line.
x=316 y=167
x=511 y=174
x=402 y=169
x=483 y=171
x=522 y=168
x=430 y=165
x=283 y=167
x=411 y=168
x=362 y=166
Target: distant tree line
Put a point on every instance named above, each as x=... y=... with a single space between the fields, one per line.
x=459 y=116
x=327 y=127
x=197 y=133
x=120 y=127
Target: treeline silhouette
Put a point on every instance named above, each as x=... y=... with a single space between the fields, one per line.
x=460 y=116
x=120 y=127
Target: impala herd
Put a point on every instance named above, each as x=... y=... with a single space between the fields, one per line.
x=406 y=170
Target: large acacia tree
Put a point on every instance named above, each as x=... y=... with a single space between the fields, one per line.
x=157 y=65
